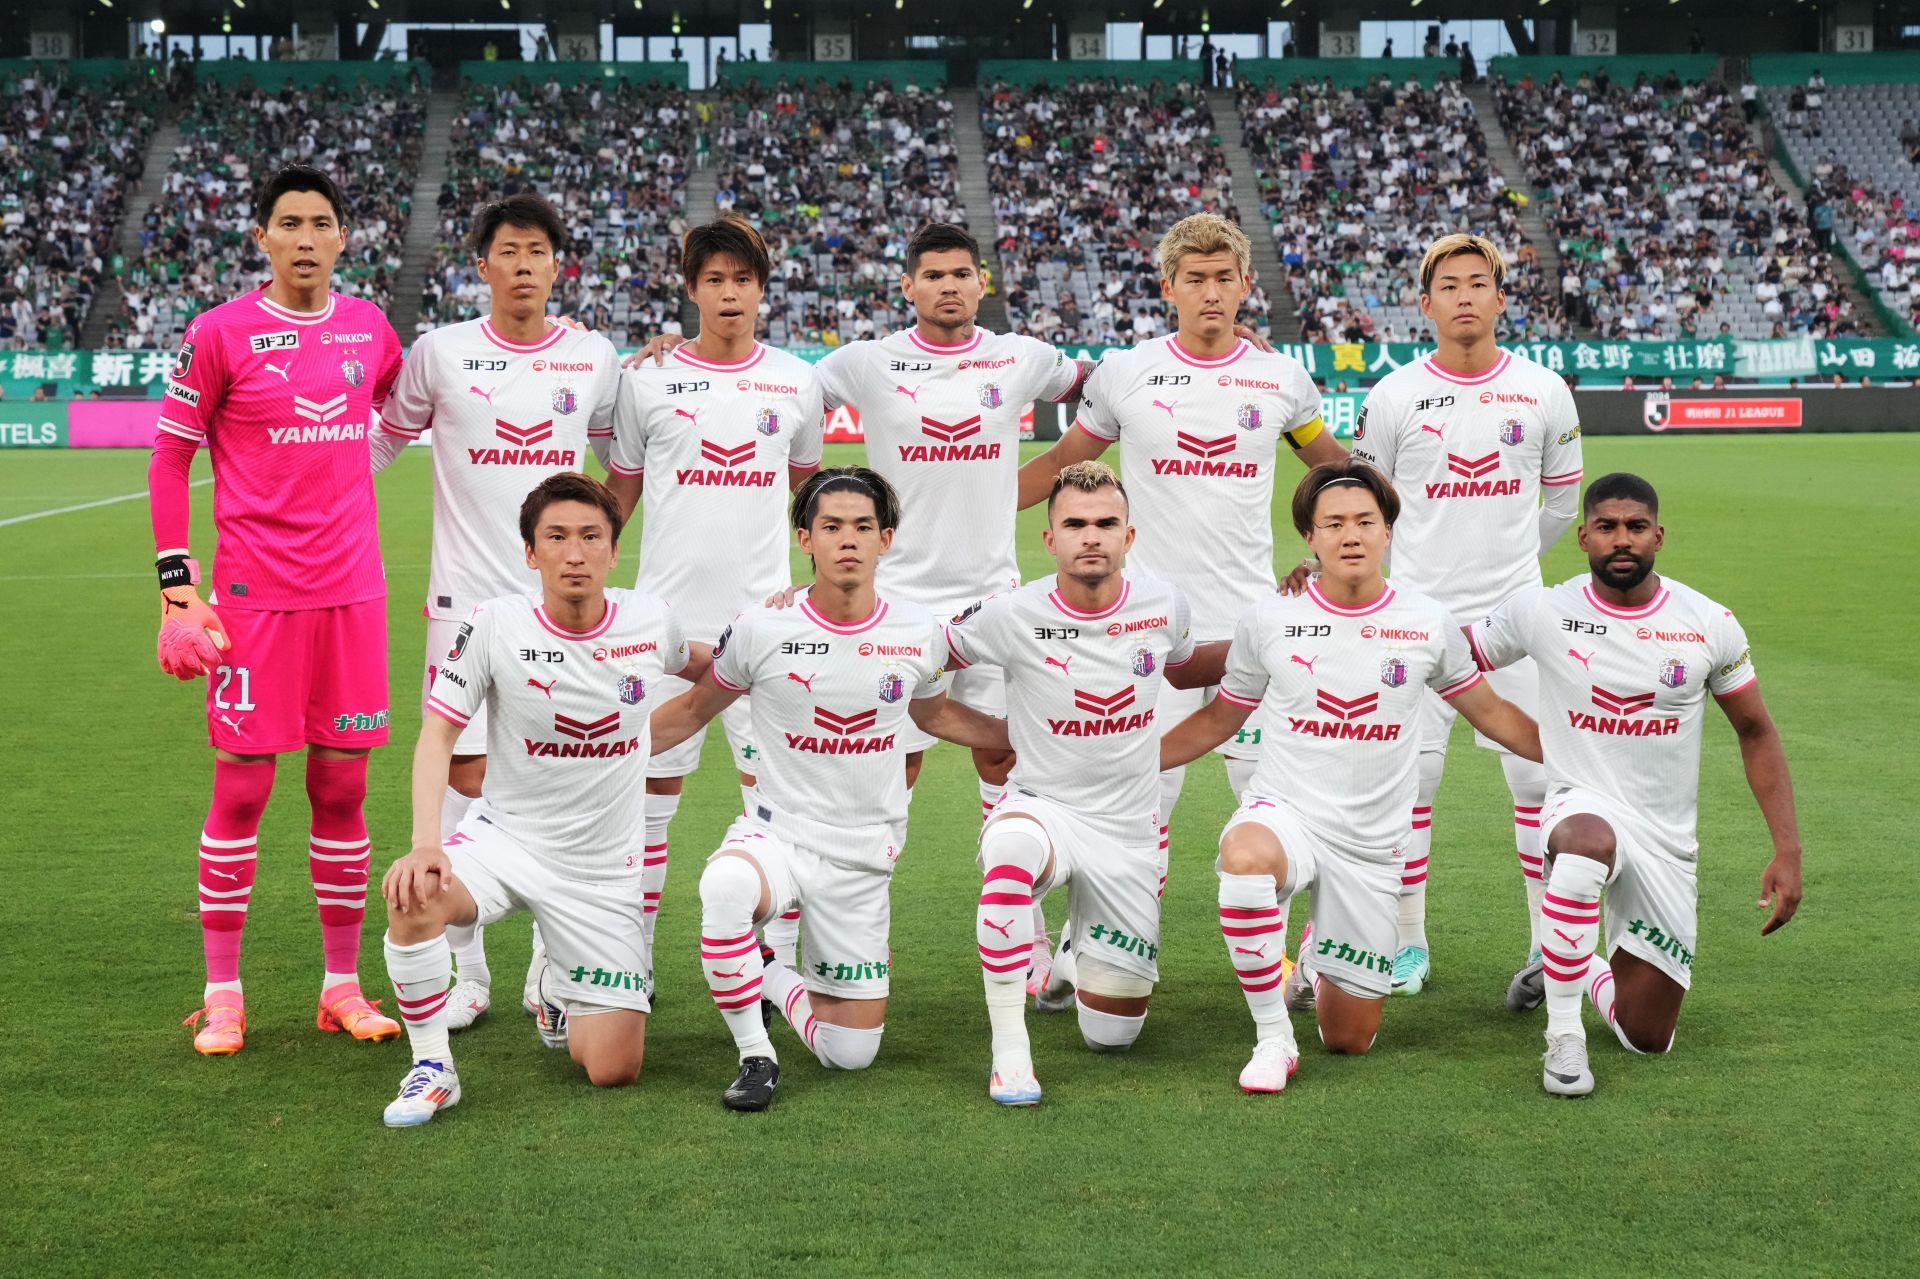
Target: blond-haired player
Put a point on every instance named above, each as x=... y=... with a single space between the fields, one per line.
x=1472 y=437
x=1201 y=414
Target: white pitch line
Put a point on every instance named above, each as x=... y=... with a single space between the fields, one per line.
x=86 y=506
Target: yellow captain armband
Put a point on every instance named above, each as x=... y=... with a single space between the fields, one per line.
x=1301 y=436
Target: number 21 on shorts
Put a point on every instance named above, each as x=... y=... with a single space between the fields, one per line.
x=237 y=680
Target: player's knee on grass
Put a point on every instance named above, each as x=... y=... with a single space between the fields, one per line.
x=1112 y=1005
x=1348 y=1023
x=609 y=1044
x=846 y=1047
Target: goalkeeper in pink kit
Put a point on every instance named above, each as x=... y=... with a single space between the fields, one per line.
x=281 y=384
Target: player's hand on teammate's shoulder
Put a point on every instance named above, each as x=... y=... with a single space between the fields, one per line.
x=1296 y=582
x=656 y=349
x=1254 y=336
x=1780 y=889
x=410 y=881
x=784 y=598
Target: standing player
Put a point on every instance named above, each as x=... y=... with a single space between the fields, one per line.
x=1627 y=659
x=710 y=434
x=940 y=407
x=1342 y=669
x=566 y=676
x=1471 y=438
x=282 y=384
x=1085 y=653
x=835 y=682
x=1200 y=415
x=511 y=398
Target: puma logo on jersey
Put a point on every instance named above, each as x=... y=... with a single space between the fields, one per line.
x=486 y=395
x=1000 y=928
x=546 y=688
x=806 y=683
x=913 y=395
x=1434 y=430
x=239 y=729
x=1304 y=661
x=1585 y=659
x=1054 y=661
x=692 y=415
x=276 y=368
x=1158 y=404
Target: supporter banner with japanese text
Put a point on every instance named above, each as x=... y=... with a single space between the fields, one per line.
x=137 y=374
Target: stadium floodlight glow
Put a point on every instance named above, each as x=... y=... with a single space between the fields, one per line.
x=158 y=26
x=226 y=24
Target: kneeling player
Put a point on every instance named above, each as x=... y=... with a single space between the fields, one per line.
x=1084 y=653
x=1343 y=668
x=834 y=683
x=1627 y=659
x=564 y=679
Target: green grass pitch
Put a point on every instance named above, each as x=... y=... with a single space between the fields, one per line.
x=1779 y=1137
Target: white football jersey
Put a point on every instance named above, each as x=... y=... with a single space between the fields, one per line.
x=1468 y=456
x=715 y=442
x=943 y=426
x=567 y=732
x=1081 y=693
x=505 y=415
x=1343 y=688
x=1198 y=439
x=1623 y=692
x=829 y=703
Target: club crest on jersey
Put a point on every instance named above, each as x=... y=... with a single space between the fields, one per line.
x=1393 y=670
x=564 y=400
x=1512 y=432
x=354 y=371
x=1673 y=672
x=767 y=422
x=991 y=397
x=1143 y=662
x=892 y=687
x=1248 y=417
x=633 y=689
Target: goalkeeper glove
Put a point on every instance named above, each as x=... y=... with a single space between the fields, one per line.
x=191 y=636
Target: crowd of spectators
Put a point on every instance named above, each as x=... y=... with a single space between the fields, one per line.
x=1356 y=182
x=1858 y=167
x=612 y=156
x=69 y=155
x=196 y=246
x=1084 y=178
x=837 y=176
x=1669 y=222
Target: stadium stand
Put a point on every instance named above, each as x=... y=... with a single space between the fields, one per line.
x=837 y=174
x=1356 y=180
x=1084 y=179
x=612 y=154
x=196 y=245
x=1666 y=210
x=70 y=151
x=1858 y=152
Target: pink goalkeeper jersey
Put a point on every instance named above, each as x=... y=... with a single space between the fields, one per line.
x=284 y=399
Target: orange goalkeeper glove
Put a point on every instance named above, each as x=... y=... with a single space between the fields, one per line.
x=191 y=636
